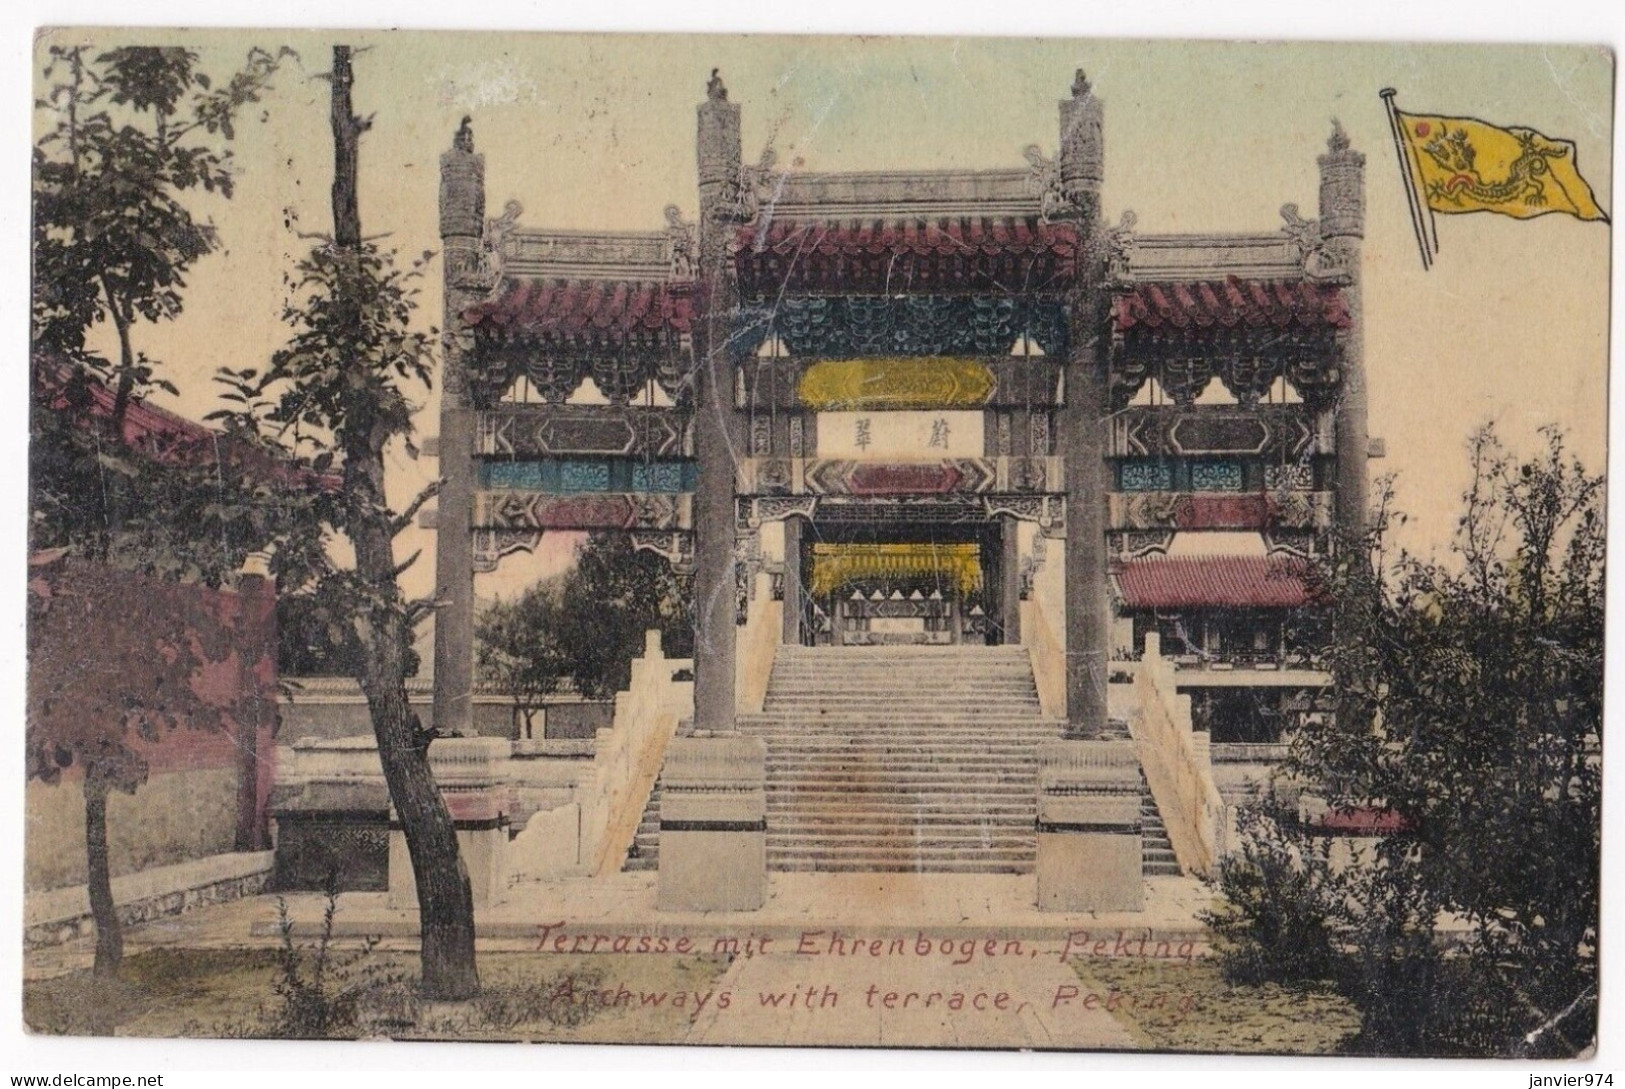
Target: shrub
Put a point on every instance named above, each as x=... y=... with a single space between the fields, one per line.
x=1275 y=922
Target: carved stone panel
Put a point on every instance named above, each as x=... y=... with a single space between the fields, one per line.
x=530 y=511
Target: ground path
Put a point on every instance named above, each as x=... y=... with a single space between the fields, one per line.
x=858 y=1016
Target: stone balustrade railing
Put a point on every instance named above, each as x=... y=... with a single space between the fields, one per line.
x=576 y=802
x=629 y=754
x=1177 y=762
x=1048 y=658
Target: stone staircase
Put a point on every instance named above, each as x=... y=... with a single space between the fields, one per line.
x=1157 y=850
x=902 y=759
x=644 y=854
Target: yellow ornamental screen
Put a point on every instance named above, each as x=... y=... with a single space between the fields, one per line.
x=896 y=383
x=836 y=565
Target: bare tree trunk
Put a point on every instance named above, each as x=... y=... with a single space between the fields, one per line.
x=347 y=130
x=445 y=895
x=126 y=352
x=109 y=934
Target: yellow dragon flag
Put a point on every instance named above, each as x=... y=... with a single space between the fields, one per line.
x=1468 y=165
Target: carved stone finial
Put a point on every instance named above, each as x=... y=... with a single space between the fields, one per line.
x=681 y=253
x=714 y=88
x=1338 y=140
x=1080 y=85
x=1120 y=247
x=1305 y=234
x=464 y=140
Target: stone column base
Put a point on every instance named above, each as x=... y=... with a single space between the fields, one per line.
x=1089 y=836
x=713 y=825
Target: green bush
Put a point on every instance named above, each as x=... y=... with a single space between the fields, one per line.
x=1274 y=924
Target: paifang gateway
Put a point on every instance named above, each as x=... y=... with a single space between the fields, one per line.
x=956 y=465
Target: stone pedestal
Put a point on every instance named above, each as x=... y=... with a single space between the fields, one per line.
x=1089 y=839
x=713 y=825
x=466 y=770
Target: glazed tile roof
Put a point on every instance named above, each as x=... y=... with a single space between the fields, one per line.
x=1162 y=582
x=1368 y=821
x=570 y=309
x=1229 y=303
x=174 y=439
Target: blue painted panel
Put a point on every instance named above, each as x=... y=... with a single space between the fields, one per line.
x=1146 y=475
x=1216 y=476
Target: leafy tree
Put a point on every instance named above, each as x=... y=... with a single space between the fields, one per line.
x=1470 y=711
x=335 y=397
x=519 y=647
x=128 y=135
x=167 y=656
x=585 y=628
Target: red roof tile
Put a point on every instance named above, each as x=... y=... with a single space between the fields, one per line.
x=1161 y=582
x=1230 y=303
x=948 y=237
x=1367 y=821
x=174 y=439
x=592 y=310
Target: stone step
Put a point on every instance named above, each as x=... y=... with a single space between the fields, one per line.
x=967 y=771
x=865 y=823
x=886 y=741
x=969 y=844
x=832 y=806
x=848 y=699
x=885 y=758
x=878 y=677
x=860 y=727
x=1025 y=710
x=944 y=673
x=792 y=652
x=853 y=805
x=896 y=865
x=876 y=726
x=899 y=764
x=917 y=856
x=966 y=710
x=913 y=786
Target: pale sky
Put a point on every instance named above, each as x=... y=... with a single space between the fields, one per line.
x=1510 y=325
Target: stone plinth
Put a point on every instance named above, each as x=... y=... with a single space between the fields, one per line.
x=467 y=770
x=1089 y=841
x=713 y=825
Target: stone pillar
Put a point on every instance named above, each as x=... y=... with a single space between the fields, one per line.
x=469 y=772
x=1010 y=579
x=717 y=432
x=1342 y=226
x=255 y=636
x=1089 y=837
x=1084 y=421
x=713 y=825
x=793 y=589
x=462 y=223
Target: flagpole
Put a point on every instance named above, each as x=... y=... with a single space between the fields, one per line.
x=1418 y=224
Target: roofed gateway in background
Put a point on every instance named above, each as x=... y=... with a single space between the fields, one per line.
x=947 y=454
